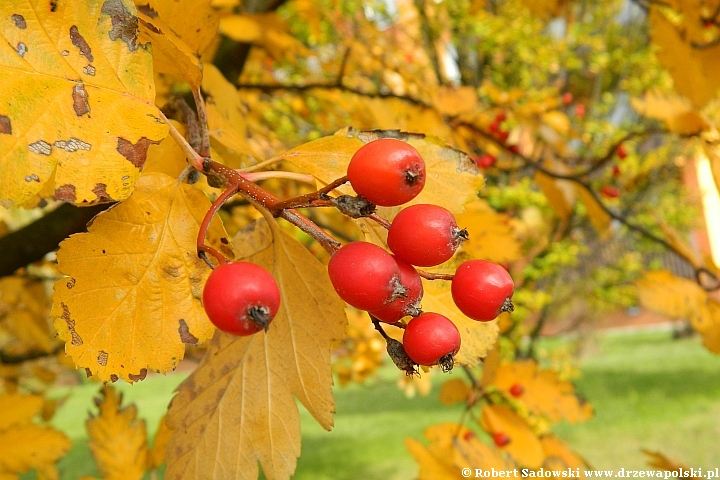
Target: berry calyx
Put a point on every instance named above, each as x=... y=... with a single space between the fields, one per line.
x=388 y=172
x=500 y=439
x=482 y=290
x=425 y=235
x=516 y=390
x=610 y=191
x=241 y=298
x=365 y=276
x=432 y=339
x=410 y=305
x=620 y=152
x=486 y=161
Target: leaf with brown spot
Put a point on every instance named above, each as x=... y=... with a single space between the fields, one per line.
x=135 y=273
x=76 y=75
x=238 y=407
x=117 y=438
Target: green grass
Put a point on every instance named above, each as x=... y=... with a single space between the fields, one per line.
x=648 y=392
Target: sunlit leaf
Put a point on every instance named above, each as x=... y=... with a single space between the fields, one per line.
x=132 y=299
x=453 y=391
x=491 y=234
x=77 y=107
x=676 y=112
x=238 y=407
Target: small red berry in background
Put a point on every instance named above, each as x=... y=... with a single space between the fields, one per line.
x=707 y=23
x=482 y=290
x=494 y=127
x=486 y=161
x=500 y=439
x=388 y=172
x=610 y=191
x=432 y=339
x=365 y=276
x=501 y=117
x=425 y=235
x=241 y=298
x=620 y=152
x=410 y=305
x=567 y=98
x=514 y=148
x=616 y=171
x=516 y=390
x=580 y=110
x=503 y=136
x=469 y=434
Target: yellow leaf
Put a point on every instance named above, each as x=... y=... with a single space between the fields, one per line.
x=174 y=14
x=559 y=193
x=241 y=28
x=477 y=338
x=695 y=71
x=558 y=456
x=455 y=101
x=599 y=218
x=675 y=297
x=170 y=54
x=78 y=106
x=238 y=407
x=546 y=9
x=524 y=445
x=265 y=30
x=117 y=439
x=167 y=157
x=660 y=461
x=156 y=457
x=491 y=234
x=490 y=365
x=18 y=409
x=454 y=391
x=32 y=446
x=679 y=244
x=133 y=297
x=542 y=391
x=24 y=313
x=452 y=177
x=558 y=121
x=677 y=112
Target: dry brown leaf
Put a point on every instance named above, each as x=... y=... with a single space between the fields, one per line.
x=238 y=407
x=135 y=315
x=117 y=439
x=524 y=445
x=78 y=94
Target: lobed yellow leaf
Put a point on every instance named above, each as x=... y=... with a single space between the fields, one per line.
x=117 y=438
x=543 y=391
x=174 y=14
x=32 y=446
x=664 y=293
x=237 y=408
x=524 y=445
x=452 y=177
x=132 y=299
x=77 y=95
x=18 y=409
x=491 y=234
x=675 y=111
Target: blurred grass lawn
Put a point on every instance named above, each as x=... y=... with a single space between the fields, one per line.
x=648 y=390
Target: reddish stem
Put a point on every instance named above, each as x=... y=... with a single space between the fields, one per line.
x=314 y=199
x=203 y=249
x=436 y=276
x=381 y=221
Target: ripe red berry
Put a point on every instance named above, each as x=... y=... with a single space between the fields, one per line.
x=241 y=298
x=616 y=171
x=410 y=305
x=514 y=148
x=516 y=390
x=425 y=235
x=707 y=23
x=432 y=339
x=500 y=439
x=580 y=110
x=469 y=434
x=365 y=276
x=388 y=172
x=567 y=98
x=486 y=161
x=482 y=290
x=494 y=127
x=610 y=191
x=620 y=151
x=501 y=116
x=503 y=136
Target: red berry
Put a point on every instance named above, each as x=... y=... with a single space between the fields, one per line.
x=468 y=435
x=388 y=172
x=610 y=192
x=494 y=127
x=365 y=276
x=620 y=151
x=482 y=290
x=241 y=298
x=567 y=98
x=616 y=171
x=501 y=439
x=432 y=339
x=516 y=390
x=486 y=161
x=425 y=235
x=501 y=117
x=514 y=148
x=580 y=110
x=707 y=23
x=503 y=136
x=401 y=307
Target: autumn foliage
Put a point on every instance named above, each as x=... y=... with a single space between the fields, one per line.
x=202 y=132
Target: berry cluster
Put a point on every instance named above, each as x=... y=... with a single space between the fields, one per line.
x=390 y=172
